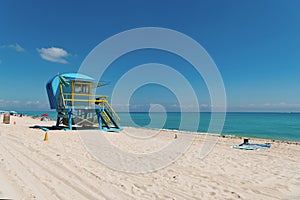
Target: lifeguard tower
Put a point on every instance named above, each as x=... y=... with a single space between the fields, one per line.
x=71 y=94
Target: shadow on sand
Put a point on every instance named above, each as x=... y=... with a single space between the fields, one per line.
x=65 y=128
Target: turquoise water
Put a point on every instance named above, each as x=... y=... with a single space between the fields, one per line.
x=282 y=126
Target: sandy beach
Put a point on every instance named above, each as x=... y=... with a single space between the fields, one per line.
x=63 y=168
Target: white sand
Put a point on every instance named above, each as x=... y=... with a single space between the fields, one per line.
x=62 y=168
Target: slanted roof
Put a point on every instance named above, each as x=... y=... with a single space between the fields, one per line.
x=53 y=85
x=78 y=77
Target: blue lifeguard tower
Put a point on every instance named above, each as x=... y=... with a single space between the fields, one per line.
x=71 y=94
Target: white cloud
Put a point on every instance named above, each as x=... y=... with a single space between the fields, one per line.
x=18 y=48
x=33 y=103
x=54 y=54
x=20 y=105
x=266 y=107
x=15 y=47
x=169 y=107
x=281 y=105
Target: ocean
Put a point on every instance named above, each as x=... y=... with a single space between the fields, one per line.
x=280 y=126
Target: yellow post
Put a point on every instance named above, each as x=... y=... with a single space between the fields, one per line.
x=46 y=136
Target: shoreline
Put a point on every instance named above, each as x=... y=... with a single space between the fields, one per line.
x=266 y=132
x=202 y=133
x=219 y=135
x=226 y=135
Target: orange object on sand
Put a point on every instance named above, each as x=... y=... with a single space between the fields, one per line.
x=15 y=122
x=46 y=137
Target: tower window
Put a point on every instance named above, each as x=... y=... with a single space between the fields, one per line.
x=81 y=88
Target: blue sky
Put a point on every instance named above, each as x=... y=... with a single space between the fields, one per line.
x=255 y=44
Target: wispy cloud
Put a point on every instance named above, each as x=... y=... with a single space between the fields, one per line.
x=266 y=107
x=168 y=107
x=20 y=105
x=54 y=54
x=282 y=105
x=15 y=47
